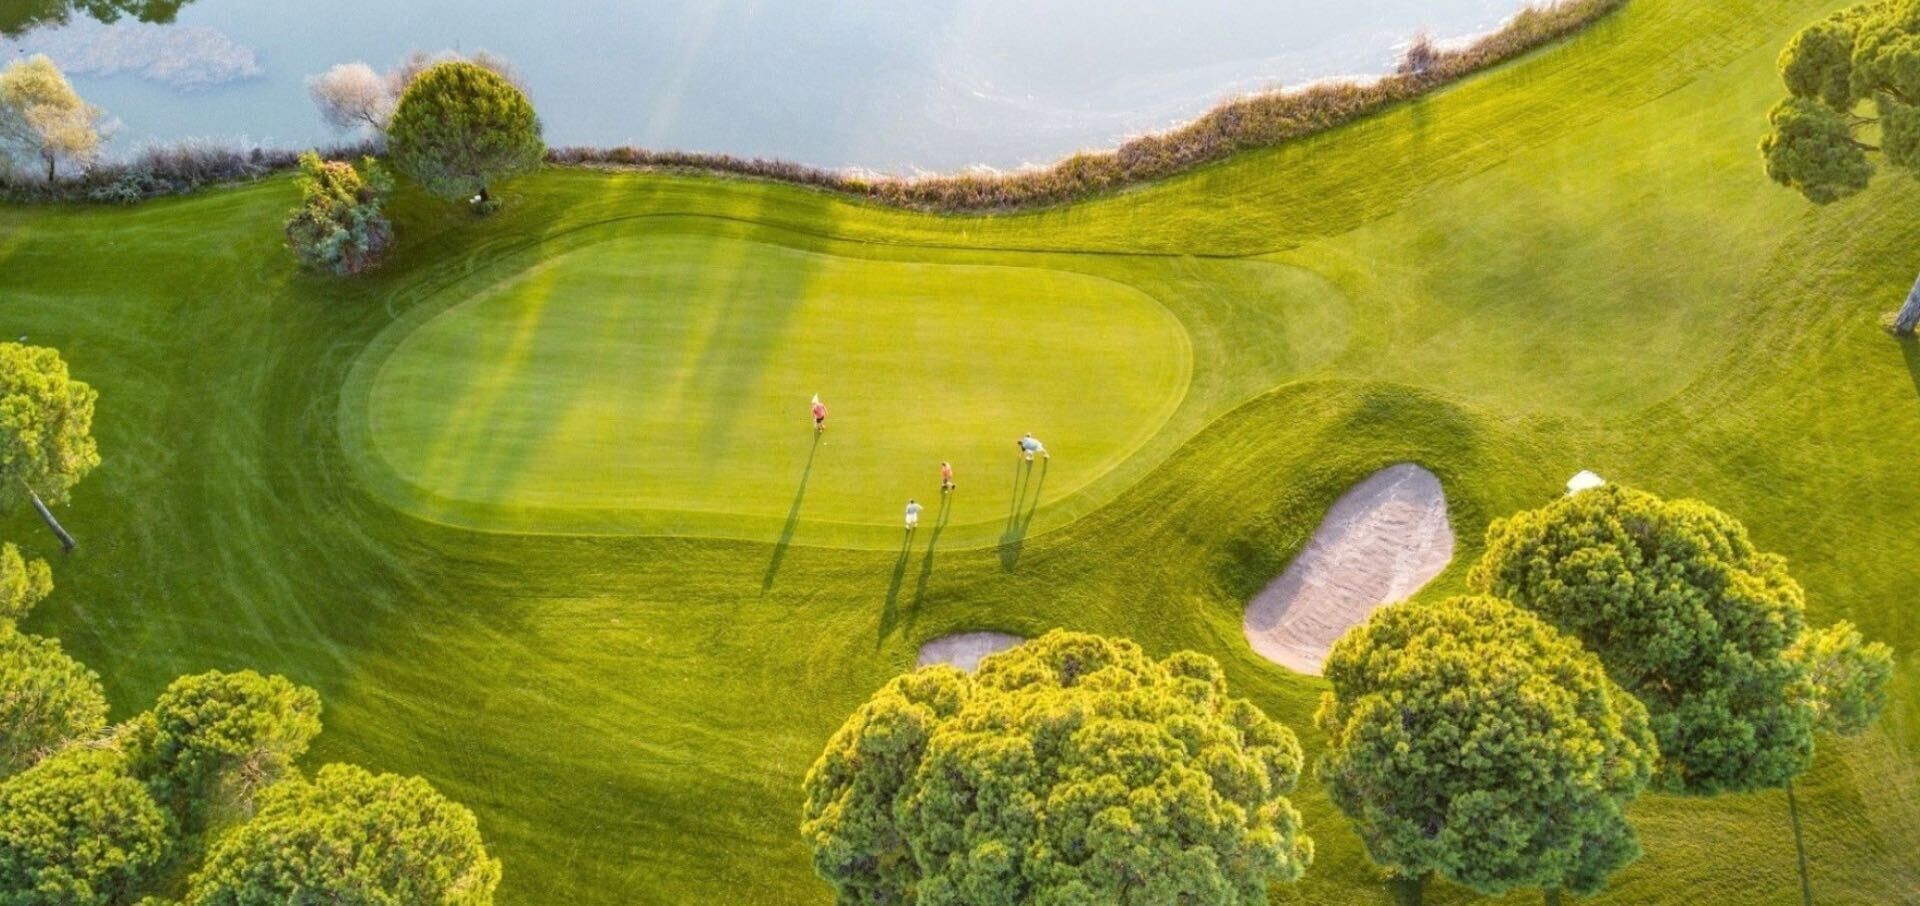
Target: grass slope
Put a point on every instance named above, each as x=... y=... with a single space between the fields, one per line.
x=1570 y=262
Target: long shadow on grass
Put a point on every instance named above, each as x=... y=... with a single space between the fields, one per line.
x=793 y=521
x=1910 y=347
x=1020 y=515
x=891 y=612
x=933 y=541
x=1022 y=474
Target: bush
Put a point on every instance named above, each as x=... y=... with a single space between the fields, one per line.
x=1420 y=56
x=127 y=188
x=171 y=169
x=338 y=227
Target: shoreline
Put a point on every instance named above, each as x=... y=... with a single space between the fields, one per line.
x=1258 y=120
x=1248 y=121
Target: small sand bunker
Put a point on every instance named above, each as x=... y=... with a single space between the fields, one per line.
x=965 y=649
x=1379 y=544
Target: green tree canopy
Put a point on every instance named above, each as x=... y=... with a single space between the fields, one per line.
x=216 y=738
x=1850 y=77
x=1812 y=149
x=76 y=831
x=1073 y=769
x=1853 y=79
x=1849 y=677
x=461 y=127
x=46 y=426
x=23 y=583
x=350 y=836
x=338 y=227
x=1684 y=612
x=47 y=699
x=1470 y=739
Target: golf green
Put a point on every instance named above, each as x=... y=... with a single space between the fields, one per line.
x=661 y=383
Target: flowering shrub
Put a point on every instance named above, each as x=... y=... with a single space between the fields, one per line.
x=338 y=227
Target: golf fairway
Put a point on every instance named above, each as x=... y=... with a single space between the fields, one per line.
x=521 y=502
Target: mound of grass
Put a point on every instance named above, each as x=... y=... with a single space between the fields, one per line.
x=1570 y=262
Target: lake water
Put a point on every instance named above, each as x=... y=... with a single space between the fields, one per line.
x=890 y=85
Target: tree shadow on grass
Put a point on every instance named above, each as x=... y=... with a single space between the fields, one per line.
x=1026 y=502
x=793 y=521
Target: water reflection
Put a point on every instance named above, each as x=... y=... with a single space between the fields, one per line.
x=189 y=58
x=17 y=16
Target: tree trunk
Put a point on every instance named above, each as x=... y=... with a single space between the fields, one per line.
x=1908 y=319
x=51 y=160
x=46 y=515
x=484 y=197
x=1799 y=847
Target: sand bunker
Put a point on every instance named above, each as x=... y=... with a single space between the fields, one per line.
x=1379 y=544
x=965 y=649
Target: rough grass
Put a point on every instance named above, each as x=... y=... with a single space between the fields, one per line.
x=1571 y=262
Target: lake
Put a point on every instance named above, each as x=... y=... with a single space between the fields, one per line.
x=891 y=86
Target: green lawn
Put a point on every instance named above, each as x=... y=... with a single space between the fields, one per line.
x=659 y=383
x=1572 y=262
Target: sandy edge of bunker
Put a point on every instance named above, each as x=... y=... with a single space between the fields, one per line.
x=1382 y=541
x=965 y=649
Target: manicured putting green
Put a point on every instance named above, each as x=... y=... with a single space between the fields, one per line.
x=662 y=383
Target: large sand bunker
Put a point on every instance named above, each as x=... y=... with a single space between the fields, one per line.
x=965 y=649
x=1380 y=543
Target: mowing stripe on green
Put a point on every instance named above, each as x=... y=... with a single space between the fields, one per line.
x=660 y=384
